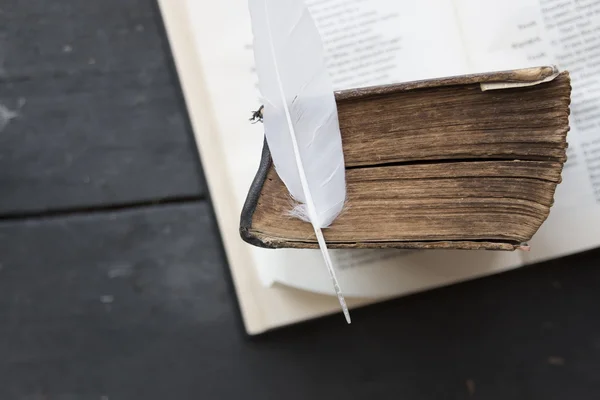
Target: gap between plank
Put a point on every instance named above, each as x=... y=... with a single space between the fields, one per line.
x=59 y=213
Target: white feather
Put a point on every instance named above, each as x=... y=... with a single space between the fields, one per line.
x=300 y=114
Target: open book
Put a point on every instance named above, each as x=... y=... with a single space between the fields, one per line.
x=373 y=42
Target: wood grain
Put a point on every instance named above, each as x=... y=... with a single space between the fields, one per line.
x=86 y=297
x=137 y=305
x=100 y=121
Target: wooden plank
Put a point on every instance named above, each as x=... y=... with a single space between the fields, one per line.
x=101 y=118
x=87 y=301
x=137 y=305
x=42 y=39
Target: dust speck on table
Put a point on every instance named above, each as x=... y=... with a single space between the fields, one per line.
x=107 y=299
x=3 y=45
x=6 y=115
x=120 y=271
x=548 y=325
x=556 y=361
x=557 y=285
x=470 y=386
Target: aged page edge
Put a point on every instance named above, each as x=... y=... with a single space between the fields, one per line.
x=188 y=65
x=510 y=85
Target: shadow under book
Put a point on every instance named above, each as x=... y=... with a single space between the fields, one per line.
x=465 y=162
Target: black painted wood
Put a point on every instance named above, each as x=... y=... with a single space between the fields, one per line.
x=102 y=120
x=137 y=305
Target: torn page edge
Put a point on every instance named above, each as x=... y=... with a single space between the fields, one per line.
x=485 y=86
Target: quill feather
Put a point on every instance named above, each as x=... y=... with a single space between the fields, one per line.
x=300 y=114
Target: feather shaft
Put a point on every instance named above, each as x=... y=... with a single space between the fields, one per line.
x=309 y=202
x=299 y=99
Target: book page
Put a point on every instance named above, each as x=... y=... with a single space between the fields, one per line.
x=367 y=42
x=373 y=42
x=524 y=33
x=378 y=273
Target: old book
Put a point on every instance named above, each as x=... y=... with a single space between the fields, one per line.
x=380 y=43
x=441 y=163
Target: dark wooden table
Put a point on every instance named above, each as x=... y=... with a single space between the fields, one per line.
x=113 y=281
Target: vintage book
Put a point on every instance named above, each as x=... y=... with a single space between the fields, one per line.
x=375 y=43
x=441 y=163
